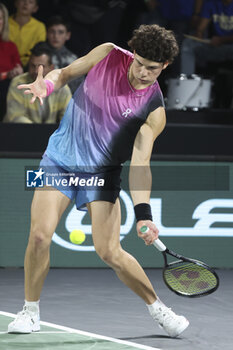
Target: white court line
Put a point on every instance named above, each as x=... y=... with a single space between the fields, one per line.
x=97 y=336
x=42 y=332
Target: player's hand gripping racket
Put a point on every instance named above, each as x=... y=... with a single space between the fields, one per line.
x=186 y=277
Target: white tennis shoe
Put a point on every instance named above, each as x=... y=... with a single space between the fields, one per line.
x=26 y=321
x=172 y=324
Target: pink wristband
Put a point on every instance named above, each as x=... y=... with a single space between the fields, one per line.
x=49 y=86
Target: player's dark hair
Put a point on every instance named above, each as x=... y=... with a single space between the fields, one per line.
x=41 y=49
x=154 y=43
x=56 y=20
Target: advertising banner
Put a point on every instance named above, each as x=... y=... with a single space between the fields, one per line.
x=192 y=206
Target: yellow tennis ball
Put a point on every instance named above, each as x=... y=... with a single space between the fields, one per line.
x=77 y=236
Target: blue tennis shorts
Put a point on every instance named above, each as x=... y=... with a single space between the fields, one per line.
x=83 y=187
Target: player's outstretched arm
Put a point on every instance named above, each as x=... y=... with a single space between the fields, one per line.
x=140 y=178
x=60 y=77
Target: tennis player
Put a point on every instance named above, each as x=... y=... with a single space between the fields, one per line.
x=115 y=115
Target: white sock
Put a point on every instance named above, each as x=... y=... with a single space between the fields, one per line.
x=153 y=308
x=32 y=306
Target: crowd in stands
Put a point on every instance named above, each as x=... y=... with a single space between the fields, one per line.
x=35 y=32
x=19 y=108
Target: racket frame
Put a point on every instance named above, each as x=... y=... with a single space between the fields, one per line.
x=159 y=245
x=196 y=262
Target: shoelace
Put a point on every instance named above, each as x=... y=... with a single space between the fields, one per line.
x=25 y=313
x=165 y=315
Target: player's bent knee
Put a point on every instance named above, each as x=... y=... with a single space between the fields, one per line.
x=39 y=238
x=110 y=256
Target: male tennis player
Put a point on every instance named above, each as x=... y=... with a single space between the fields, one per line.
x=117 y=113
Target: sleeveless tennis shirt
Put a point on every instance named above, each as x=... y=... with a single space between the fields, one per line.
x=103 y=117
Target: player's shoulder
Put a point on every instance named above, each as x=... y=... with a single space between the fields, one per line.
x=112 y=48
x=122 y=51
x=98 y=54
x=116 y=54
x=118 y=51
x=104 y=49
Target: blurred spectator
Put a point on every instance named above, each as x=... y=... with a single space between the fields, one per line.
x=168 y=13
x=19 y=108
x=47 y=9
x=10 y=64
x=58 y=32
x=218 y=14
x=25 y=30
x=93 y=22
x=180 y=16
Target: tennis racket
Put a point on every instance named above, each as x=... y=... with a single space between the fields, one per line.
x=186 y=277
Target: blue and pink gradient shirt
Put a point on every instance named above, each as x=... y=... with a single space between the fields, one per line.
x=103 y=117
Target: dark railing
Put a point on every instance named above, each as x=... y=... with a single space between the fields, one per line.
x=206 y=135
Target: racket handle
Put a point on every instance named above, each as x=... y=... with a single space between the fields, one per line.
x=157 y=243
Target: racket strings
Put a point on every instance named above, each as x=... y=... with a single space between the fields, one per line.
x=189 y=279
